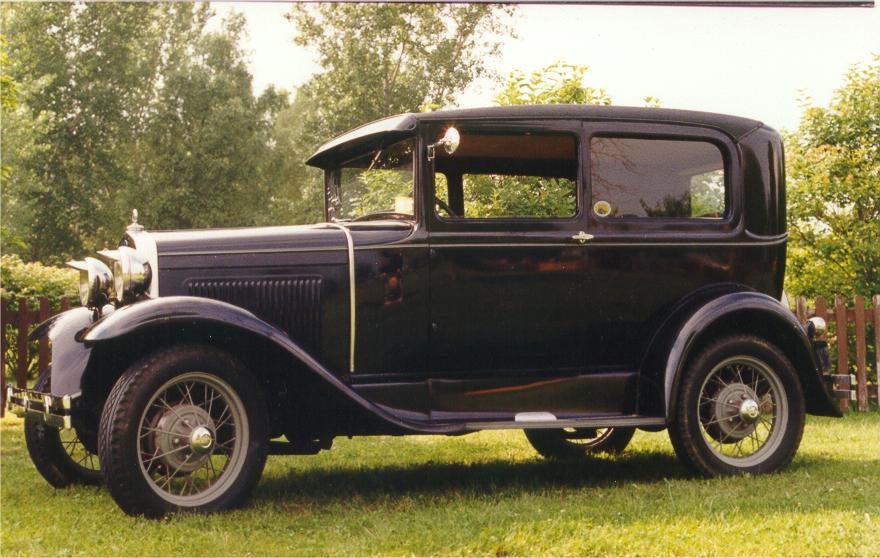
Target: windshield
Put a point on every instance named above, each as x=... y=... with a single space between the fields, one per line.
x=376 y=185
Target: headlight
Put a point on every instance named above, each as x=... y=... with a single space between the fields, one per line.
x=816 y=327
x=132 y=274
x=95 y=282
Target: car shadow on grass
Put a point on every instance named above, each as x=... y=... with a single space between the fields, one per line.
x=342 y=484
x=345 y=482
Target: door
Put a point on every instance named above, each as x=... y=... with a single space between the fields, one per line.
x=663 y=211
x=507 y=258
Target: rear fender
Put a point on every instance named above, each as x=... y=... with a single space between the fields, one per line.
x=665 y=326
x=752 y=313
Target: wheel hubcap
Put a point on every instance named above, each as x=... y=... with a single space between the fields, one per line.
x=201 y=440
x=184 y=438
x=736 y=410
x=749 y=411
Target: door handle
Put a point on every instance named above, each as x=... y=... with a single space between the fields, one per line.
x=582 y=237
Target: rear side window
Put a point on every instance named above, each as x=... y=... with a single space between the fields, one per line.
x=660 y=178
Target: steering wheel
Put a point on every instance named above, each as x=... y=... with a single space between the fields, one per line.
x=445 y=207
x=377 y=215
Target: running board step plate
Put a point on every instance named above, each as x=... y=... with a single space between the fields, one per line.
x=546 y=420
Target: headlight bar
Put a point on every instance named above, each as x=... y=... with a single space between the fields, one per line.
x=98 y=285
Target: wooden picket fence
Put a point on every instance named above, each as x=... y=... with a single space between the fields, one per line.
x=838 y=319
x=855 y=385
x=22 y=319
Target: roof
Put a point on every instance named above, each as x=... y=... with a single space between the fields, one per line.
x=402 y=125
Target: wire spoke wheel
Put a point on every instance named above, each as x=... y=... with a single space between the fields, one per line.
x=77 y=452
x=192 y=438
x=742 y=410
x=59 y=455
x=577 y=443
x=587 y=437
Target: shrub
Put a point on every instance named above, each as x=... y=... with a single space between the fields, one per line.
x=31 y=281
x=35 y=280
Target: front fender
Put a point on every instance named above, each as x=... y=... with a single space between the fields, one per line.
x=175 y=310
x=70 y=357
x=741 y=312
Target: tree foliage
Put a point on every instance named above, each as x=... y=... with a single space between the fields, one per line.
x=206 y=131
x=297 y=191
x=383 y=59
x=129 y=105
x=85 y=72
x=533 y=196
x=833 y=165
x=558 y=83
x=378 y=60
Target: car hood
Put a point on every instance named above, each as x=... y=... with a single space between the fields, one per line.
x=253 y=240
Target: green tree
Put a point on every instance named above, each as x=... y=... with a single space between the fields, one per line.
x=7 y=85
x=297 y=191
x=494 y=196
x=85 y=72
x=383 y=59
x=8 y=111
x=833 y=166
x=129 y=105
x=377 y=60
x=203 y=157
x=558 y=83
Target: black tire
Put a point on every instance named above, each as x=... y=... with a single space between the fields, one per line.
x=147 y=412
x=711 y=413
x=59 y=457
x=577 y=443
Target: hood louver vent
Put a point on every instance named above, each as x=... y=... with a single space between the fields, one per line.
x=292 y=304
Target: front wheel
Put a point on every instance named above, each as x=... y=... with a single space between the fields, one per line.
x=577 y=443
x=740 y=409
x=185 y=429
x=59 y=455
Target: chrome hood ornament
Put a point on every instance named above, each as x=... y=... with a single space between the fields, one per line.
x=134 y=226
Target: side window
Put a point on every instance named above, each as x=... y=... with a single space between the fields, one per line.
x=508 y=175
x=633 y=177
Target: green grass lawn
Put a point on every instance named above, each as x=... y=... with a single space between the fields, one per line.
x=484 y=494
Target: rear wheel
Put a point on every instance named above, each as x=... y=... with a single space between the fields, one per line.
x=59 y=455
x=183 y=430
x=575 y=443
x=740 y=409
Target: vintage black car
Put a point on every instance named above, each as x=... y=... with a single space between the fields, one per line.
x=576 y=272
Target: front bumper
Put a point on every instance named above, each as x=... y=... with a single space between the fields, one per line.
x=53 y=410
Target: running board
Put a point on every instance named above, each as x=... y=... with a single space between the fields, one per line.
x=543 y=420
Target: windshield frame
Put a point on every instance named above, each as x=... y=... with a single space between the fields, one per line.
x=333 y=180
